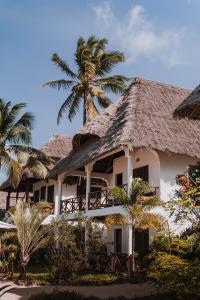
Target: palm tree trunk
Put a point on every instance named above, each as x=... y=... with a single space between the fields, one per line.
x=133 y=247
x=85 y=108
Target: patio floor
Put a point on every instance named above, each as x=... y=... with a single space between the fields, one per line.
x=115 y=290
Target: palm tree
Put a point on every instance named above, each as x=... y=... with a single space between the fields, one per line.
x=31 y=235
x=15 y=140
x=140 y=205
x=89 y=83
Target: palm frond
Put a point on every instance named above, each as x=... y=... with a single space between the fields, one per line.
x=104 y=101
x=107 y=61
x=74 y=108
x=37 y=167
x=60 y=84
x=26 y=121
x=30 y=234
x=63 y=65
x=115 y=84
x=66 y=106
x=100 y=46
x=19 y=135
x=12 y=168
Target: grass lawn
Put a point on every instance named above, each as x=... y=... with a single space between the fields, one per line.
x=42 y=276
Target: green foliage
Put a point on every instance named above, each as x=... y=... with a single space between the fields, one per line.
x=8 y=251
x=30 y=234
x=118 y=194
x=66 y=251
x=186 y=203
x=174 y=274
x=138 y=188
x=141 y=203
x=166 y=241
x=89 y=83
x=15 y=150
x=96 y=251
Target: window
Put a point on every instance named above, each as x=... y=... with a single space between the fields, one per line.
x=141 y=240
x=43 y=193
x=142 y=173
x=36 y=196
x=119 y=179
x=50 y=194
x=118 y=240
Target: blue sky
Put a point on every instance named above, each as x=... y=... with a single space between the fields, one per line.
x=161 y=41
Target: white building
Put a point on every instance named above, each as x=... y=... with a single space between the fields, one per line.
x=135 y=136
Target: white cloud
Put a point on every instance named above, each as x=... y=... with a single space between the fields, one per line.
x=138 y=36
x=104 y=14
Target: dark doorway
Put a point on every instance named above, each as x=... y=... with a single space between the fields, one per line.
x=43 y=193
x=50 y=194
x=36 y=196
x=119 y=179
x=142 y=172
x=141 y=240
x=118 y=240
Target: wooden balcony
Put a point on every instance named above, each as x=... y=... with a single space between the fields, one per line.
x=73 y=205
x=104 y=198
x=98 y=200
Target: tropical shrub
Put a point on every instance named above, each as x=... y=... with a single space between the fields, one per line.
x=31 y=234
x=8 y=252
x=96 y=251
x=175 y=274
x=118 y=195
x=66 y=253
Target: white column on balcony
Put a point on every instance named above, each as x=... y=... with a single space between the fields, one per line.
x=58 y=196
x=88 y=170
x=130 y=238
x=129 y=156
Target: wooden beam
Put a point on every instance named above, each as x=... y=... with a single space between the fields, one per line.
x=93 y=174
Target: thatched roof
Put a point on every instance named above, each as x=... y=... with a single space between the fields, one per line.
x=143 y=117
x=190 y=107
x=57 y=146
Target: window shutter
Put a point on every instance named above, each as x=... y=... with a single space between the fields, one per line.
x=142 y=172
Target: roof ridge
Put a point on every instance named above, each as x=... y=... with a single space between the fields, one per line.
x=141 y=79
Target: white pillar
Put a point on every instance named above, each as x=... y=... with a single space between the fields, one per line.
x=58 y=196
x=130 y=238
x=129 y=157
x=88 y=169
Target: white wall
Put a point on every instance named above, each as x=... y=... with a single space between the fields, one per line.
x=148 y=157
x=68 y=191
x=120 y=166
x=109 y=238
x=140 y=158
x=170 y=166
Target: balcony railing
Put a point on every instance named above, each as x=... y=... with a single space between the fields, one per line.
x=97 y=200
x=104 y=198
x=72 y=205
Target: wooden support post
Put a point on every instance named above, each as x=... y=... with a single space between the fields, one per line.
x=8 y=201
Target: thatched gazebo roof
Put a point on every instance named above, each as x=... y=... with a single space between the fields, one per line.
x=142 y=118
x=57 y=147
x=190 y=107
